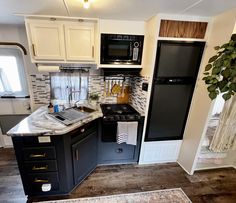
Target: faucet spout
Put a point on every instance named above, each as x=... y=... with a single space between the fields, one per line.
x=70 y=96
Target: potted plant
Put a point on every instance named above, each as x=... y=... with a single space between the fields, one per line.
x=220 y=72
x=93 y=98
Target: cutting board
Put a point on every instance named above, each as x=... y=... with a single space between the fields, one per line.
x=125 y=99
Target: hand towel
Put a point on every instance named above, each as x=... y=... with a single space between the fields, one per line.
x=132 y=133
x=122 y=132
x=127 y=132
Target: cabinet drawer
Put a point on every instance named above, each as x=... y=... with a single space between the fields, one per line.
x=113 y=151
x=39 y=153
x=33 y=141
x=41 y=166
x=81 y=132
x=35 y=182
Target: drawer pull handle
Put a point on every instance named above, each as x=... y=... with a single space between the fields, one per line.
x=119 y=150
x=33 y=49
x=36 y=180
x=35 y=168
x=77 y=154
x=93 y=51
x=37 y=155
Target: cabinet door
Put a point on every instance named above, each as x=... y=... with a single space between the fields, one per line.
x=84 y=157
x=47 y=41
x=79 y=42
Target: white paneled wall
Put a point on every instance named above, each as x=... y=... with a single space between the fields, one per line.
x=159 y=152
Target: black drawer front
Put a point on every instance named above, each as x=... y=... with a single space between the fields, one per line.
x=39 y=153
x=41 y=166
x=113 y=151
x=81 y=132
x=32 y=141
x=35 y=182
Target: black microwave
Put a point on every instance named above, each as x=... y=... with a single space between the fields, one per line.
x=121 y=49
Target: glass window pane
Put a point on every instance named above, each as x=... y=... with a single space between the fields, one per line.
x=9 y=74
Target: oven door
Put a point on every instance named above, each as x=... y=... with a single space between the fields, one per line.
x=109 y=130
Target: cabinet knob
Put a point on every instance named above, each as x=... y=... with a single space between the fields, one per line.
x=82 y=130
x=119 y=150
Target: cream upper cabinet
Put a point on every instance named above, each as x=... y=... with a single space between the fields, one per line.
x=47 y=41
x=79 y=42
x=63 y=40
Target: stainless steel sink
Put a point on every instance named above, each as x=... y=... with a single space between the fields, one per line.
x=72 y=115
x=84 y=109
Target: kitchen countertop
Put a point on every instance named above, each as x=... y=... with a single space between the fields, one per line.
x=40 y=123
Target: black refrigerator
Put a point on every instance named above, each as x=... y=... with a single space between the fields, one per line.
x=176 y=69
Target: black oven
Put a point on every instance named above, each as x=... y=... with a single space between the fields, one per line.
x=113 y=113
x=121 y=49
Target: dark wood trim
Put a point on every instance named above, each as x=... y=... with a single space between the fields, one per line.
x=183 y=29
x=15 y=44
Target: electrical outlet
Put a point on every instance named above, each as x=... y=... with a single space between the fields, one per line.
x=145 y=86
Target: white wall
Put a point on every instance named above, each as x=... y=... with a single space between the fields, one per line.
x=122 y=27
x=222 y=28
x=13 y=33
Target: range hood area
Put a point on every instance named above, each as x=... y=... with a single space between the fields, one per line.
x=121 y=71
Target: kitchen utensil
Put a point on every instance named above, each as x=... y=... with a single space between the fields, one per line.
x=116 y=88
x=125 y=98
x=111 y=85
x=105 y=90
x=123 y=89
x=108 y=88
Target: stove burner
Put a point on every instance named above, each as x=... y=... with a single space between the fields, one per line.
x=119 y=112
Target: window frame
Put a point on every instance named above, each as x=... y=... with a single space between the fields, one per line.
x=17 y=53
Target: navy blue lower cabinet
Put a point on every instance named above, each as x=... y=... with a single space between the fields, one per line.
x=84 y=157
x=56 y=167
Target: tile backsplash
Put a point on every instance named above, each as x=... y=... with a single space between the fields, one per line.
x=41 y=90
x=138 y=97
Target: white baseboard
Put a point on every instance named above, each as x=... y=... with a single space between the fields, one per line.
x=160 y=152
x=215 y=167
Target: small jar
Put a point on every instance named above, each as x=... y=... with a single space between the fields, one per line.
x=50 y=108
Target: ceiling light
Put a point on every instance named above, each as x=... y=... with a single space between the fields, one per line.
x=86 y=4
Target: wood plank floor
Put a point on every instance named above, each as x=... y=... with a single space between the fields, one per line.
x=216 y=186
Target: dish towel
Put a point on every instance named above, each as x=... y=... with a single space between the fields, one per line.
x=127 y=132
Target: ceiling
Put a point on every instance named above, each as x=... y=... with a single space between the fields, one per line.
x=111 y=9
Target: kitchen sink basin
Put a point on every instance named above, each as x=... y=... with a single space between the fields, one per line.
x=73 y=115
x=84 y=109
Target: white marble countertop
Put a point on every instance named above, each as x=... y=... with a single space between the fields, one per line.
x=40 y=123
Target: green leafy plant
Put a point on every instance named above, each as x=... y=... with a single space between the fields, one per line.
x=220 y=72
x=94 y=96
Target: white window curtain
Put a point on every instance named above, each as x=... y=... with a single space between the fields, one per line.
x=63 y=83
x=224 y=138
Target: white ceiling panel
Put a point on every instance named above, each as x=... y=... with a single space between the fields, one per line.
x=211 y=7
x=46 y=7
x=112 y=9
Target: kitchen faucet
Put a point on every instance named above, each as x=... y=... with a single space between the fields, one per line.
x=70 y=96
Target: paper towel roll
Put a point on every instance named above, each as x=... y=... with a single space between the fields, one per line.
x=49 y=68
